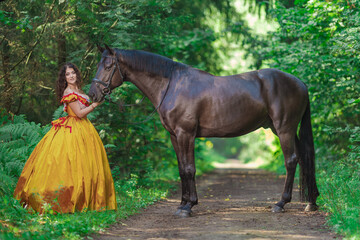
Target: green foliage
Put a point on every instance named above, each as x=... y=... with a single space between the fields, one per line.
x=318 y=41
x=18 y=139
x=258 y=146
x=276 y=163
x=228 y=147
x=340 y=196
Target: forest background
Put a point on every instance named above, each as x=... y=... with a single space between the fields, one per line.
x=317 y=41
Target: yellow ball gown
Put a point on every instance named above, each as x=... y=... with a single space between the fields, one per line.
x=68 y=168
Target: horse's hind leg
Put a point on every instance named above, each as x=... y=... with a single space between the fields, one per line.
x=291 y=155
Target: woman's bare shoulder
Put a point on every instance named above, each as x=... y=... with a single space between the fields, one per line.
x=67 y=91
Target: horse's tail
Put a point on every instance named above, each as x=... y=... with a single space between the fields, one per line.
x=308 y=188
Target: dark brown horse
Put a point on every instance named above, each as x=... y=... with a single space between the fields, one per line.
x=193 y=103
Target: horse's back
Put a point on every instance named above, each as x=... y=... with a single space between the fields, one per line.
x=281 y=82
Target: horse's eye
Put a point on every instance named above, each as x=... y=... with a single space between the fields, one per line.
x=107 y=68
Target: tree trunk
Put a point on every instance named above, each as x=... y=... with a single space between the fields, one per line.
x=6 y=96
x=61 y=44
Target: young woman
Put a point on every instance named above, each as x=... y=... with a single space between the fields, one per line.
x=68 y=168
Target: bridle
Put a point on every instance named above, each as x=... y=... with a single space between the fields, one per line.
x=107 y=91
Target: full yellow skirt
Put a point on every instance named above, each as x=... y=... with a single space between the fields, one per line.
x=68 y=169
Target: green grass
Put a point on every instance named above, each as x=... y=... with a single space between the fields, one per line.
x=130 y=199
x=339 y=186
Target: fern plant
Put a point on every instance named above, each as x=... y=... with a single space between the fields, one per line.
x=18 y=139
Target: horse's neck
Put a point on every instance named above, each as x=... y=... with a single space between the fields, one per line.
x=153 y=87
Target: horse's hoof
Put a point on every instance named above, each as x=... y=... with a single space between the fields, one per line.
x=277 y=209
x=178 y=211
x=311 y=207
x=183 y=213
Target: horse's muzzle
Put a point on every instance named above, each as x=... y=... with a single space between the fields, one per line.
x=95 y=93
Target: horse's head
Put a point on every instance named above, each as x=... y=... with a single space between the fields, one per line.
x=108 y=75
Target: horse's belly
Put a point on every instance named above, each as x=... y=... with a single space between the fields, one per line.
x=234 y=124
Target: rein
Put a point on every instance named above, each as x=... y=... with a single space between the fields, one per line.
x=107 y=91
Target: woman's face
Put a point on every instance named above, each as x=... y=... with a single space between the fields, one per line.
x=70 y=75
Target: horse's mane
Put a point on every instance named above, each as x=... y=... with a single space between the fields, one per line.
x=150 y=62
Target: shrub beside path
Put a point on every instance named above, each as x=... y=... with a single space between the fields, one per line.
x=235 y=202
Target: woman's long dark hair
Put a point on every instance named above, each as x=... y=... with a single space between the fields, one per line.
x=61 y=83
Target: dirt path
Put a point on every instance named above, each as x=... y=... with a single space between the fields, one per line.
x=234 y=203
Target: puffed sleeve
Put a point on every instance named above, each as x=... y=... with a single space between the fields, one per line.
x=72 y=97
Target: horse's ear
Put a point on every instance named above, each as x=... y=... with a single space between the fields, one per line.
x=111 y=51
x=101 y=49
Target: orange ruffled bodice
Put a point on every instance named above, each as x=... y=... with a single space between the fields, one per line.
x=68 y=168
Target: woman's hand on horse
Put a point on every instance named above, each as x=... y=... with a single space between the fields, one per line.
x=95 y=104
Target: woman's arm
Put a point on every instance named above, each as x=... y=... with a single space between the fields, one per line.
x=80 y=113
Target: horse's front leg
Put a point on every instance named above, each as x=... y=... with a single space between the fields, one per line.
x=184 y=190
x=184 y=147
